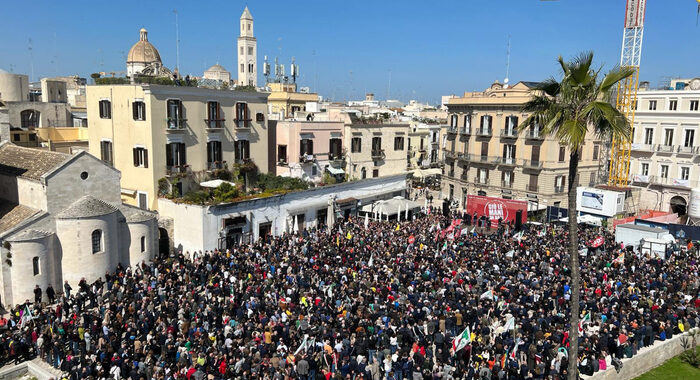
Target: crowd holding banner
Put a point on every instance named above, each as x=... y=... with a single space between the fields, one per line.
x=365 y=300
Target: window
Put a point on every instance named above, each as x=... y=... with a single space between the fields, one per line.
x=467 y=121
x=652 y=105
x=141 y=157
x=689 y=138
x=648 y=136
x=106 y=152
x=242 y=150
x=532 y=185
x=485 y=126
x=364 y=173
x=507 y=178
x=685 y=173
x=259 y=116
x=138 y=108
x=143 y=200
x=306 y=147
x=634 y=104
x=105 y=109
x=250 y=68
x=356 y=145
x=29 y=119
x=214 y=119
x=143 y=244
x=175 y=155
x=242 y=115
x=376 y=144
x=96 y=241
x=509 y=154
x=242 y=65
x=559 y=184
x=175 y=120
x=453 y=121
x=482 y=175
x=398 y=143
x=335 y=149
x=250 y=48
x=511 y=125
x=596 y=151
x=668 y=137
x=672 y=105
x=35 y=266
x=562 y=153
x=644 y=169
x=214 y=155
x=16 y=137
x=663 y=171
x=241 y=53
x=375 y=173
x=282 y=154
x=452 y=191
x=693 y=105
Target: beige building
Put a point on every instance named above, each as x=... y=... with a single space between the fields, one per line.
x=285 y=101
x=149 y=132
x=485 y=155
x=376 y=150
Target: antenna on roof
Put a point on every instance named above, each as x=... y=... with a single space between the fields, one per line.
x=505 y=81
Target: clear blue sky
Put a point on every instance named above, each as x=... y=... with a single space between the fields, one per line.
x=347 y=48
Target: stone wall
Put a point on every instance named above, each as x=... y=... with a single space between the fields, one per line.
x=646 y=359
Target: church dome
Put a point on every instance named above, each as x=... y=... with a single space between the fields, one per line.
x=217 y=68
x=143 y=51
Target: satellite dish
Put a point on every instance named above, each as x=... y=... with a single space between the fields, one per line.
x=695 y=84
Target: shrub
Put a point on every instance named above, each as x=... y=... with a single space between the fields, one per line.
x=225 y=193
x=200 y=197
x=112 y=80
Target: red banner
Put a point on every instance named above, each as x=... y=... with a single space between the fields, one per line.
x=597 y=242
x=496 y=208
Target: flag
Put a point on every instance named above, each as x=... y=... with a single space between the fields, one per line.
x=510 y=253
x=620 y=259
x=371 y=260
x=486 y=294
x=583 y=251
x=397 y=227
x=348 y=236
x=515 y=348
x=510 y=324
x=366 y=220
x=586 y=319
x=461 y=341
x=464 y=231
x=337 y=241
x=303 y=344
x=597 y=242
x=411 y=239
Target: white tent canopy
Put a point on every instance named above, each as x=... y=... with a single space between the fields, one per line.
x=214 y=183
x=391 y=206
x=418 y=173
x=585 y=219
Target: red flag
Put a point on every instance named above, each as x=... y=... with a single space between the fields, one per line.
x=597 y=242
x=411 y=239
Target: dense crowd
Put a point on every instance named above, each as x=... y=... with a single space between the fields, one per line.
x=353 y=302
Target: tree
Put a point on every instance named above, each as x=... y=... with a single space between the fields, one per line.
x=568 y=110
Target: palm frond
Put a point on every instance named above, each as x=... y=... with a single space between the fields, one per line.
x=613 y=77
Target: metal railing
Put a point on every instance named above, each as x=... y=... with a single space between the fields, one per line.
x=175 y=123
x=642 y=147
x=451 y=129
x=305 y=158
x=377 y=153
x=509 y=133
x=282 y=161
x=483 y=131
x=507 y=184
x=663 y=148
x=448 y=154
x=176 y=169
x=510 y=161
x=243 y=123
x=559 y=189
x=215 y=165
x=675 y=182
x=481 y=181
x=465 y=131
x=682 y=149
x=530 y=164
x=214 y=123
x=532 y=188
x=534 y=134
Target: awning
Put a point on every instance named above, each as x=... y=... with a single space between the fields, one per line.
x=418 y=173
x=534 y=206
x=335 y=171
x=214 y=183
x=391 y=206
x=585 y=219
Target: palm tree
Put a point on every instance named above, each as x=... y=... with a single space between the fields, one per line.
x=568 y=110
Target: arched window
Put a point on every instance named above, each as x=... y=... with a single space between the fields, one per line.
x=29 y=118
x=35 y=265
x=96 y=241
x=143 y=244
x=364 y=173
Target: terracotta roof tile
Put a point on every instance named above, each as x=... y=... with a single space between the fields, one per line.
x=28 y=162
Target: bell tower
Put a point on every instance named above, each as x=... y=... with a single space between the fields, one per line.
x=247 y=52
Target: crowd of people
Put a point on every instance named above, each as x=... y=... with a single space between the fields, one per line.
x=382 y=301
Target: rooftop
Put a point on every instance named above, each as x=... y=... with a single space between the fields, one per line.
x=12 y=214
x=27 y=162
x=87 y=207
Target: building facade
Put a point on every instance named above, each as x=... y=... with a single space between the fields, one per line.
x=61 y=219
x=308 y=149
x=247 y=52
x=665 y=147
x=154 y=132
x=376 y=150
x=284 y=101
x=485 y=154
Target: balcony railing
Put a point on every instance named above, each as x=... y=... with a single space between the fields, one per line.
x=465 y=131
x=559 y=189
x=306 y=158
x=532 y=188
x=663 y=148
x=483 y=132
x=509 y=161
x=449 y=154
x=509 y=133
x=241 y=161
x=451 y=129
x=687 y=150
x=483 y=158
x=336 y=156
x=216 y=165
x=534 y=134
x=530 y=164
x=214 y=123
x=177 y=169
x=175 y=124
x=675 y=182
x=282 y=161
x=642 y=147
x=640 y=178
x=378 y=153
x=464 y=176
x=507 y=184
x=243 y=123
x=481 y=181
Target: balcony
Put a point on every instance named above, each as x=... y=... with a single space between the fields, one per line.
x=511 y=133
x=505 y=161
x=176 y=169
x=242 y=161
x=534 y=134
x=449 y=154
x=481 y=181
x=507 y=184
x=214 y=125
x=336 y=156
x=532 y=188
x=216 y=165
x=673 y=182
x=282 y=161
x=452 y=130
x=175 y=124
x=530 y=164
x=559 y=189
x=464 y=176
x=307 y=158
x=642 y=147
x=483 y=132
x=640 y=178
x=242 y=123
x=663 y=148
x=378 y=154
x=465 y=131
x=687 y=150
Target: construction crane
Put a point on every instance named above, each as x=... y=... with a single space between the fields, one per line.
x=626 y=98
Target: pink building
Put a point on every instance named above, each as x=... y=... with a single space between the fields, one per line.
x=308 y=149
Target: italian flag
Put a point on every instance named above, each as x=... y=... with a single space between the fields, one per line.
x=462 y=340
x=585 y=319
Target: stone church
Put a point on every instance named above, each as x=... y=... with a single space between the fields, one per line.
x=62 y=219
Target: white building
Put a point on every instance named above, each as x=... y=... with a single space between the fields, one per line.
x=247 y=52
x=61 y=219
x=665 y=147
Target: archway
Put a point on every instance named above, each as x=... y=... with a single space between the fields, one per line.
x=29 y=119
x=678 y=205
x=163 y=242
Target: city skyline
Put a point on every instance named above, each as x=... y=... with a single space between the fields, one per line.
x=445 y=49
